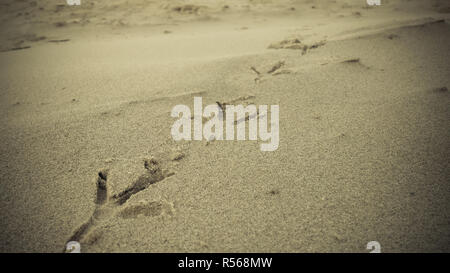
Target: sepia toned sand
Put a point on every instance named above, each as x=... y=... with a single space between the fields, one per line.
x=86 y=152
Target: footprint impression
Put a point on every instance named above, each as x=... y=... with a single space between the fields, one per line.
x=110 y=206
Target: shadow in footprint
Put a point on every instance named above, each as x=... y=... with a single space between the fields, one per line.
x=153 y=175
x=102 y=192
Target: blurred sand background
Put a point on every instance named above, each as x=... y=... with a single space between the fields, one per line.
x=85 y=99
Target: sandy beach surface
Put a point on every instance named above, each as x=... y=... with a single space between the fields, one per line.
x=87 y=155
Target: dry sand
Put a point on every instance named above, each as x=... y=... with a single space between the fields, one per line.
x=86 y=152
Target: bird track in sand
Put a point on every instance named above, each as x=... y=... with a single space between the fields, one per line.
x=273 y=71
x=108 y=207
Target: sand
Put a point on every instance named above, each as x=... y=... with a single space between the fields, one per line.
x=86 y=151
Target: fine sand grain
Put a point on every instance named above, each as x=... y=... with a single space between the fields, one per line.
x=86 y=151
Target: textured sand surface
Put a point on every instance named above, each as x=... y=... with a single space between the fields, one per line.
x=86 y=152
